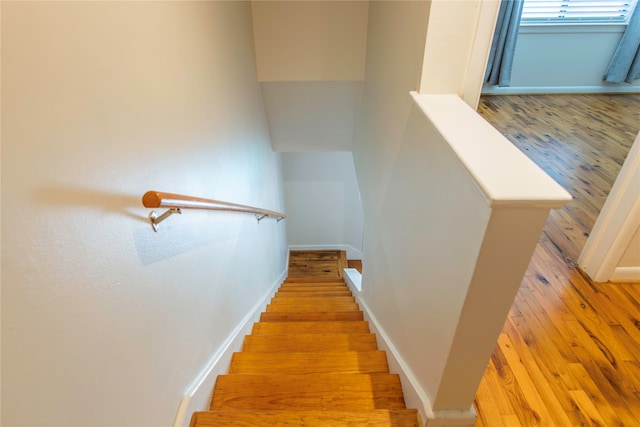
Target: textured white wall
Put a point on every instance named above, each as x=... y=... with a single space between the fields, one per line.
x=631 y=257
x=310 y=40
x=322 y=199
x=103 y=321
x=311 y=116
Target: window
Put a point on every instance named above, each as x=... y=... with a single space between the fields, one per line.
x=577 y=11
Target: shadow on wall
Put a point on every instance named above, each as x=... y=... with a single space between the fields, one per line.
x=90 y=197
x=177 y=235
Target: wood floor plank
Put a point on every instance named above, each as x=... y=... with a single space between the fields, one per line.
x=576 y=339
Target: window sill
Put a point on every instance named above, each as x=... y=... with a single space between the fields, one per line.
x=573 y=28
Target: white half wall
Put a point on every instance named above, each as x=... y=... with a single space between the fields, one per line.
x=103 y=320
x=322 y=200
x=447 y=199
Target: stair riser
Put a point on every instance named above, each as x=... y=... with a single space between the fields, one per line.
x=312 y=300
x=342 y=288
x=311 y=316
x=311 y=307
x=313 y=294
x=284 y=328
x=369 y=362
x=309 y=343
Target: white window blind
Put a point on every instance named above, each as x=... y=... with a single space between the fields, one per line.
x=576 y=11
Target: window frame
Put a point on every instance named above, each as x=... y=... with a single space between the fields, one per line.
x=577 y=20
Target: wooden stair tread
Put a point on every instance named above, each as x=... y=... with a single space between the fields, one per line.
x=314 y=285
x=311 y=294
x=311 y=316
x=283 y=328
x=307 y=418
x=312 y=300
x=319 y=391
x=309 y=343
x=334 y=278
x=294 y=289
x=347 y=362
x=312 y=307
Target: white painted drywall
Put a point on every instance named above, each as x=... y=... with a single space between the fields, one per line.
x=395 y=53
x=446 y=199
x=569 y=58
x=322 y=199
x=631 y=256
x=458 y=41
x=105 y=322
x=311 y=116
x=310 y=40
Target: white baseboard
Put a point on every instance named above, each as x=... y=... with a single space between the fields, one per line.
x=352 y=253
x=198 y=395
x=544 y=90
x=626 y=274
x=414 y=394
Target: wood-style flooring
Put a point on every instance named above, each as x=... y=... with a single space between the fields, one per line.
x=569 y=353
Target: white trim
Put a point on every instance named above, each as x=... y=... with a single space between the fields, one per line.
x=198 y=394
x=479 y=55
x=626 y=274
x=518 y=183
x=571 y=28
x=353 y=278
x=617 y=222
x=352 y=253
x=414 y=394
x=543 y=90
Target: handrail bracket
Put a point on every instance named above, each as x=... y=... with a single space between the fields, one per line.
x=154 y=219
x=260 y=217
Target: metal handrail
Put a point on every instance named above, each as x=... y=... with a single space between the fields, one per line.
x=175 y=202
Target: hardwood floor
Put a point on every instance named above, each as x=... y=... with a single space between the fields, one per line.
x=569 y=353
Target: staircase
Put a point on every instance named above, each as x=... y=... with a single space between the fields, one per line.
x=310 y=361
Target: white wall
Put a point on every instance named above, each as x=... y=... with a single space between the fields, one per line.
x=568 y=58
x=105 y=322
x=323 y=200
x=310 y=40
x=440 y=216
x=631 y=256
x=311 y=116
